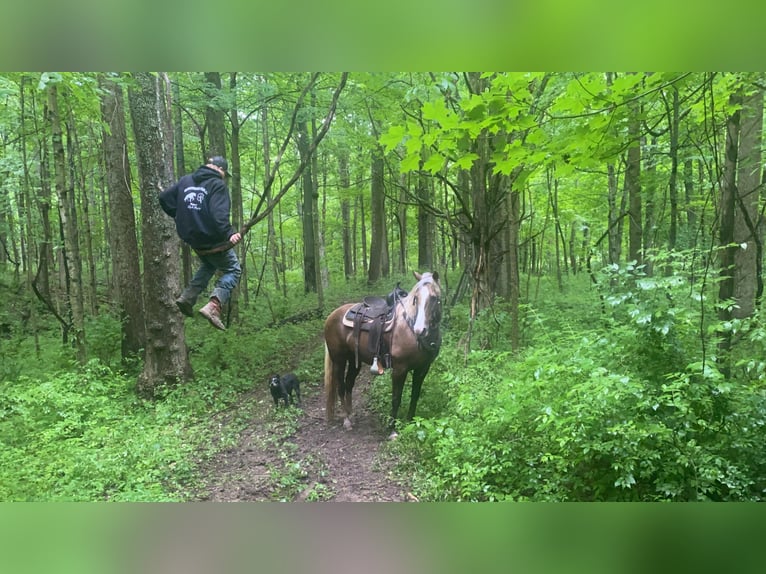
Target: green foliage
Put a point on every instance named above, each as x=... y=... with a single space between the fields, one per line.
x=83 y=436
x=104 y=337
x=80 y=433
x=629 y=411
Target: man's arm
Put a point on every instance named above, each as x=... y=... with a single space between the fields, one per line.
x=169 y=199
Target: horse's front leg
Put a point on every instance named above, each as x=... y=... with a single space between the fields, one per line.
x=398 y=378
x=345 y=393
x=418 y=376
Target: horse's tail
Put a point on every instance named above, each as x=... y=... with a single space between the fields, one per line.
x=330 y=388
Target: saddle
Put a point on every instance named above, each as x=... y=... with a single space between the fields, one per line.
x=375 y=315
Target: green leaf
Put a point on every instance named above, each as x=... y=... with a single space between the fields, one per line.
x=466 y=161
x=435 y=110
x=434 y=163
x=410 y=162
x=393 y=137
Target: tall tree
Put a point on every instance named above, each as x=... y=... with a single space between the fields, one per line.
x=344 y=183
x=45 y=265
x=236 y=195
x=726 y=218
x=674 y=121
x=309 y=197
x=122 y=239
x=68 y=219
x=214 y=115
x=633 y=185
x=178 y=144
x=276 y=255
x=378 y=243
x=166 y=356
x=748 y=280
x=319 y=248
x=424 y=192
x=401 y=220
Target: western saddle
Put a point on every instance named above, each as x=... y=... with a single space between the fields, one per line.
x=375 y=315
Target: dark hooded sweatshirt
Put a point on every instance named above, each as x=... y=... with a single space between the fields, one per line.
x=200 y=204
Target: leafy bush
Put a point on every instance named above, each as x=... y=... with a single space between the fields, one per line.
x=82 y=436
x=630 y=412
x=104 y=338
x=80 y=433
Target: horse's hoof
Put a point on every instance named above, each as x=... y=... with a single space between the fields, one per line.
x=347 y=424
x=393 y=436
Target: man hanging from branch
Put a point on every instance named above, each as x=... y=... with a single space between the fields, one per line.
x=207 y=229
x=200 y=204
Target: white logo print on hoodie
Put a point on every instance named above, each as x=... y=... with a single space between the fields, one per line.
x=193 y=197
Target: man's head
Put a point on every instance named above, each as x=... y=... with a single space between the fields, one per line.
x=219 y=162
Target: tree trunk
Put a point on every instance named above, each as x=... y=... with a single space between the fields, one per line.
x=324 y=272
x=748 y=256
x=122 y=239
x=345 y=211
x=425 y=224
x=633 y=186
x=378 y=245
x=68 y=219
x=46 y=265
x=649 y=197
x=273 y=245
x=513 y=264
x=178 y=144
x=553 y=194
x=319 y=250
x=726 y=219
x=361 y=215
x=27 y=195
x=691 y=214
x=167 y=360
x=4 y=238
x=614 y=230
x=673 y=181
x=237 y=208
x=309 y=207
x=482 y=219
x=401 y=216
x=214 y=116
x=81 y=201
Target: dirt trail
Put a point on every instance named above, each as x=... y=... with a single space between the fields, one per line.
x=314 y=461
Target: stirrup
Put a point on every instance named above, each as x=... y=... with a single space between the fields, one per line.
x=376 y=369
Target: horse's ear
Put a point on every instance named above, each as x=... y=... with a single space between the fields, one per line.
x=435 y=275
x=417 y=275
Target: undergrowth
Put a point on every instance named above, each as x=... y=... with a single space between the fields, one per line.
x=618 y=394
x=631 y=407
x=80 y=433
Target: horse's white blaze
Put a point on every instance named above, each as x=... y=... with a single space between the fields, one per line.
x=420 y=319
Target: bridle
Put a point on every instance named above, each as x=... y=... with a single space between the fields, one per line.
x=429 y=339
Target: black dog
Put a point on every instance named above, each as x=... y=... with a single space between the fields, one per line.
x=283 y=387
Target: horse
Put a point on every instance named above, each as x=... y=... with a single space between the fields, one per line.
x=412 y=337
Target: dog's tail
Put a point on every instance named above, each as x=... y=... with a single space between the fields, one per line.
x=330 y=387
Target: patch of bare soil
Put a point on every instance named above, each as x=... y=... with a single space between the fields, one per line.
x=296 y=455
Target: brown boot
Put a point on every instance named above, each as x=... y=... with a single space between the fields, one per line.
x=212 y=312
x=185 y=306
x=186 y=300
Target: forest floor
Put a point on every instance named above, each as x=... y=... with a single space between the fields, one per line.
x=295 y=455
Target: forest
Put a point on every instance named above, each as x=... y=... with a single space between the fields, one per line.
x=598 y=238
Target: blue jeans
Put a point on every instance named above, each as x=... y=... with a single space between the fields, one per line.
x=227 y=263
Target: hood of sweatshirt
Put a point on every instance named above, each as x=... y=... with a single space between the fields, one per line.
x=204 y=173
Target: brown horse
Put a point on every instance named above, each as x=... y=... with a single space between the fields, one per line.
x=412 y=337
